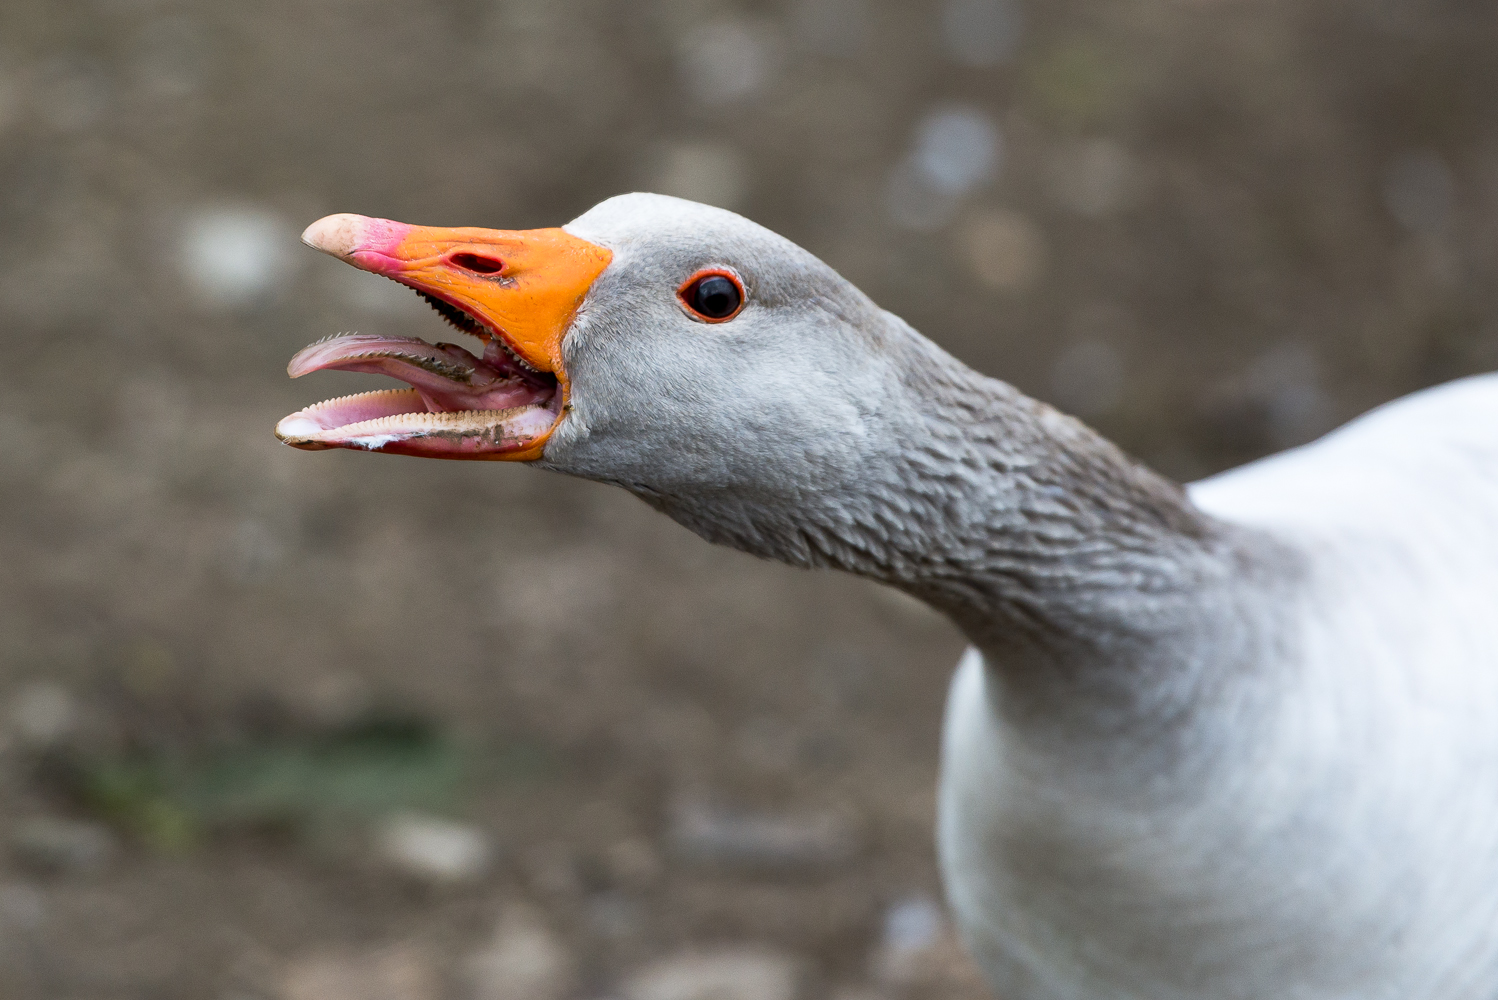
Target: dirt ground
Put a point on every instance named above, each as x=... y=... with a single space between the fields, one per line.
x=287 y=725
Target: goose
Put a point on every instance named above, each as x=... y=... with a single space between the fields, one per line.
x=1234 y=740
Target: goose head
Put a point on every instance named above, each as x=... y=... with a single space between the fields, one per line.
x=678 y=350
x=741 y=386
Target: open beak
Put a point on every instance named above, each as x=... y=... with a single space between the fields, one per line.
x=515 y=291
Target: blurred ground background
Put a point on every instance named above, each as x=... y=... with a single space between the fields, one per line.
x=325 y=726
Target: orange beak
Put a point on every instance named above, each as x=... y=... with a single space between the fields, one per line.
x=518 y=291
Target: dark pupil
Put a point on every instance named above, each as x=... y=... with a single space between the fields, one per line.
x=716 y=296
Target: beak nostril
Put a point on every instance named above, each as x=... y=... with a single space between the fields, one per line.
x=477 y=264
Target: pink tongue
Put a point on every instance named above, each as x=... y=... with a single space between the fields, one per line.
x=447 y=377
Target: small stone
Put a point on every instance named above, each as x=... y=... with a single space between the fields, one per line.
x=912 y=927
x=743 y=973
x=58 y=845
x=42 y=713
x=523 y=961
x=920 y=950
x=957 y=148
x=1006 y=251
x=436 y=850
x=774 y=845
x=234 y=256
x=405 y=972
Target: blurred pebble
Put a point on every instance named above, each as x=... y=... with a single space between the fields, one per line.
x=957 y=148
x=234 y=256
x=1087 y=379
x=832 y=27
x=22 y=906
x=726 y=60
x=744 y=973
x=912 y=924
x=714 y=838
x=62 y=846
x=404 y=972
x=919 y=950
x=523 y=961
x=1094 y=177
x=1005 y=250
x=981 y=33
x=1419 y=191
x=43 y=713
x=711 y=173
x=912 y=927
x=433 y=849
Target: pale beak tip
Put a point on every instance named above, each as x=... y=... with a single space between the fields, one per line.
x=337 y=235
x=296 y=429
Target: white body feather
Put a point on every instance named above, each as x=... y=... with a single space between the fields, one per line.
x=1346 y=844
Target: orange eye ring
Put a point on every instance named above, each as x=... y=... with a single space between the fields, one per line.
x=713 y=295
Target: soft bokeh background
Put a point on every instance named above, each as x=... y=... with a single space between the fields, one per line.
x=325 y=726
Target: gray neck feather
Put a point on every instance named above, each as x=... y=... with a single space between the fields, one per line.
x=1098 y=593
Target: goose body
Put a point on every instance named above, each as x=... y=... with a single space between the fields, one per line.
x=1341 y=838
x=1231 y=741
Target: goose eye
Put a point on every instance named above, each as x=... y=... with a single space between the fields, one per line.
x=714 y=297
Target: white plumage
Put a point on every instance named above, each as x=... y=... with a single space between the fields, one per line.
x=1348 y=843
